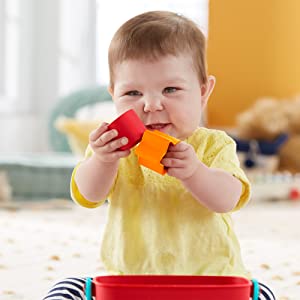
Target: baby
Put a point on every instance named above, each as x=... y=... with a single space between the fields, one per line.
x=179 y=223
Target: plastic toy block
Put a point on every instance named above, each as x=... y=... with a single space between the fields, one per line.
x=129 y=125
x=152 y=149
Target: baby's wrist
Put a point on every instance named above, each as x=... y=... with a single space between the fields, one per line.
x=98 y=161
x=201 y=171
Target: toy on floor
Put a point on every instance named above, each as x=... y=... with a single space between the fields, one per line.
x=171 y=287
x=275 y=125
x=275 y=186
x=294 y=194
x=288 y=156
x=256 y=149
x=153 y=144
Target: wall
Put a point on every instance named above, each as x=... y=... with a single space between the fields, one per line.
x=254 y=51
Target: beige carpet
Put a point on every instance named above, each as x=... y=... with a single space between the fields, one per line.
x=41 y=243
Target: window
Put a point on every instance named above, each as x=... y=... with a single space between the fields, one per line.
x=9 y=59
x=76 y=45
x=15 y=29
x=113 y=13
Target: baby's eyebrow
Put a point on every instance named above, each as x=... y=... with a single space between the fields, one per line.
x=175 y=80
x=127 y=86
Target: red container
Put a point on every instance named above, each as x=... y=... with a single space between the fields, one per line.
x=129 y=125
x=171 y=287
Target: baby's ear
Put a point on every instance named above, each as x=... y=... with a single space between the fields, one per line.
x=206 y=89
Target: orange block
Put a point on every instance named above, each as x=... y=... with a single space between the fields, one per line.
x=152 y=148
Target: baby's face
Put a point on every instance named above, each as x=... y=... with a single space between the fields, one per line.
x=166 y=94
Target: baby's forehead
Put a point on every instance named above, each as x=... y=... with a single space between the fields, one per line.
x=169 y=69
x=153 y=57
x=149 y=83
x=168 y=60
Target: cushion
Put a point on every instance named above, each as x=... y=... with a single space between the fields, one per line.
x=68 y=106
x=86 y=119
x=97 y=111
x=77 y=133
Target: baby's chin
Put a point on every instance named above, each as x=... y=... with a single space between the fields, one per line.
x=182 y=135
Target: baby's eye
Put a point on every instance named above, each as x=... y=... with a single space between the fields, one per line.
x=133 y=93
x=170 y=89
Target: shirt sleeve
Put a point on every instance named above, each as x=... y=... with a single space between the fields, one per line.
x=75 y=193
x=221 y=153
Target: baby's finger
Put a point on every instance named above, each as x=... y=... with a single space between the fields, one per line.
x=178 y=154
x=181 y=146
x=172 y=163
x=112 y=156
x=115 y=144
x=96 y=133
x=106 y=137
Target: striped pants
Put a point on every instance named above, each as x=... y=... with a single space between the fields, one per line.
x=73 y=289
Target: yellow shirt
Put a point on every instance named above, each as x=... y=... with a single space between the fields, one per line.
x=155 y=226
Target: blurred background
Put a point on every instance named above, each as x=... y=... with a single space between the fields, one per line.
x=54 y=76
x=51 y=48
x=53 y=92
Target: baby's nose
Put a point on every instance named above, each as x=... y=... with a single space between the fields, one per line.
x=153 y=104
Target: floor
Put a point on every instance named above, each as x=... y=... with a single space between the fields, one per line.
x=40 y=243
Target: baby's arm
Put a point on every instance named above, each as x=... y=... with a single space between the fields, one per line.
x=94 y=176
x=214 y=188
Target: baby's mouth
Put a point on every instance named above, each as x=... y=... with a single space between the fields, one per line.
x=158 y=126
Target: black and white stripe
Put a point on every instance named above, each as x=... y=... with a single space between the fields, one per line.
x=70 y=288
x=265 y=293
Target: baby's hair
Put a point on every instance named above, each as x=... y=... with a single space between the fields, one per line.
x=154 y=34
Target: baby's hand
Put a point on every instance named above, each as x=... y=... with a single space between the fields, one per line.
x=180 y=161
x=105 y=146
